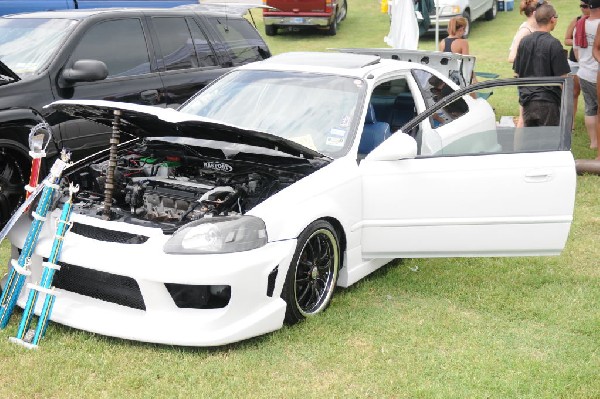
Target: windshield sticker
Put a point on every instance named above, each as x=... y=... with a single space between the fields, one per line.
x=337 y=132
x=345 y=122
x=335 y=141
x=306 y=141
x=24 y=67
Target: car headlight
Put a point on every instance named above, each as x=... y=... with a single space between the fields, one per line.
x=218 y=235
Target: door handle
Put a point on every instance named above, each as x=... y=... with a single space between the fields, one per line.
x=149 y=96
x=539 y=175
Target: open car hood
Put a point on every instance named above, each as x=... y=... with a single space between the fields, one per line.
x=6 y=71
x=147 y=121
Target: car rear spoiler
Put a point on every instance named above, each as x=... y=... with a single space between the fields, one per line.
x=446 y=63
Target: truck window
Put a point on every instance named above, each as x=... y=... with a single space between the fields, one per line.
x=241 y=40
x=175 y=42
x=206 y=56
x=126 y=56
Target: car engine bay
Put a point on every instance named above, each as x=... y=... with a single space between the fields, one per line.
x=167 y=185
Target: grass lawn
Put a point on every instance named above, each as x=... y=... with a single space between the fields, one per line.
x=418 y=328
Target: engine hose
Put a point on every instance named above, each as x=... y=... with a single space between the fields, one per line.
x=112 y=164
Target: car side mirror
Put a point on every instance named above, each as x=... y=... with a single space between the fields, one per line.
x=397 y=146
x=85 y=71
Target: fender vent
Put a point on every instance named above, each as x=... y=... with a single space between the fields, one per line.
x=271 y=281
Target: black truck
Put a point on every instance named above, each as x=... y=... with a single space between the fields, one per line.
x=157 y=57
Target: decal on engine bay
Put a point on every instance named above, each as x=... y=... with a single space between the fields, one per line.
x=220 y=166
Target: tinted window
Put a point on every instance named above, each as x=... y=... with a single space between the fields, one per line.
x=434 y=89
x=175 y=41
x=242 y=41
x=206 y=56
x=127 y=53
x=491 y=127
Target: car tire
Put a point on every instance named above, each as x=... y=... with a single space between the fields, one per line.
x=332 y=31
x=467 y=15
x=313 y=272
x=492 y=12
x=12 y=183
x=270 y=30
x=343 y=11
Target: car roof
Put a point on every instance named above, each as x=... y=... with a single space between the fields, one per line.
x=80 y=14
x=343 y=64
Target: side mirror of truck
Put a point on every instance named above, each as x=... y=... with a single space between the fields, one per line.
x=84 y=71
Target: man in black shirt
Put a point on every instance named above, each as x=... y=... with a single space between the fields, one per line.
x=540 y=54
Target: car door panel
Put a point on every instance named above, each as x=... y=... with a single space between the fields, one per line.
x=493 y=205
x=510 y=201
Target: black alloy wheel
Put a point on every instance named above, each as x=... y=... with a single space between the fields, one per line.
x=313 y=273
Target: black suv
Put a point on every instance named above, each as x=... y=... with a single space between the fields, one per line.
x=155 y=57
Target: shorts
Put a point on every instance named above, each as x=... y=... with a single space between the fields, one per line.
x=541 y=113
x=590 y=97
x=574 y=66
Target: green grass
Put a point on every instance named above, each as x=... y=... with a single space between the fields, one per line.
x=418 y=328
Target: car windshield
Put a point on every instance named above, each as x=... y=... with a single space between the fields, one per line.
x=26 y=45
x=315 y=110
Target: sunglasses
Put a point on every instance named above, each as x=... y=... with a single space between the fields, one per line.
x=584 y=6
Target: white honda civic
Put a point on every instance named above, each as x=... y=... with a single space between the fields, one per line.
x=285 y=178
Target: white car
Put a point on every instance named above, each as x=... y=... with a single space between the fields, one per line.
x=285 y=178
x=469 y=9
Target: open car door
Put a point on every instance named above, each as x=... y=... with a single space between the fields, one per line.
x=502 y=191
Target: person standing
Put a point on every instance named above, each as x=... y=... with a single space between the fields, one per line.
x=541 y=54
x=596 y=54
x=569 y=41
x=526 y=8
x=455 y=42
x=584 y=34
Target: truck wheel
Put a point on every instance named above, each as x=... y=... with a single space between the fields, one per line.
x=270 y=30
x=343 y=11
x=491 y=13
x=12 y=182
x=332 y=28
x=467 y=15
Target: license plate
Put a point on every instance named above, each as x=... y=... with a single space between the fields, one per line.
x=297 y=20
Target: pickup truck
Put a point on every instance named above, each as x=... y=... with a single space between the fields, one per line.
x=13 y=7
x=295 y=15
x=158 y=57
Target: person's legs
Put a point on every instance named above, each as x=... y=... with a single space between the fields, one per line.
x=520 y=122
x=576 y=92
x=590 y=97
x=598 y=118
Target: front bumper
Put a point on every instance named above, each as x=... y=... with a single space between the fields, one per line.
x=253 y=308
x=443 y=22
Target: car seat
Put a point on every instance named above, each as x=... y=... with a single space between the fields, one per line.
x=374 y=132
